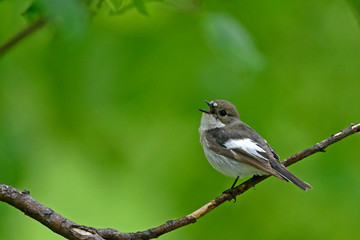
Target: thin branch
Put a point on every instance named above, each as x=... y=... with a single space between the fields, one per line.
x=70 y=230
x=21 y=35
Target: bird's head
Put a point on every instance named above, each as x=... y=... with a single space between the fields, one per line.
x=221 y=110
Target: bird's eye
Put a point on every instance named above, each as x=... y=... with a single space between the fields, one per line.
x=222 y=113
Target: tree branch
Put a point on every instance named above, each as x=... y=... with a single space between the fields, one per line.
x=70 y=230
x=21 y=35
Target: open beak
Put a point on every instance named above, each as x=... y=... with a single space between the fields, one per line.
x=207 y=111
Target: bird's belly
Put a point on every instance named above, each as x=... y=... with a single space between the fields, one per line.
x=229 y=166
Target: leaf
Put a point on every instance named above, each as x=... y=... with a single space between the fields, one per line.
x=356 y=5
x=70 y=17
x=34 y=12
x=140 y=6
x=114 y=4
x=230 y=40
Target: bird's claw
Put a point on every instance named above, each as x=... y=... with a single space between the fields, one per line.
x=231 y=192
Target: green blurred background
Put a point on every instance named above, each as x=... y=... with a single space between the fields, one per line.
x=99 y=116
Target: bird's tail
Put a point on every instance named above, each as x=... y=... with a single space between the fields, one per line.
x=289 y=176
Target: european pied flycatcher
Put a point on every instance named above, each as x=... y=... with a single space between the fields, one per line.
x=235 y=149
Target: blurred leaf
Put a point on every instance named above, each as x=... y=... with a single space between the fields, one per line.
x=140 y=6
x=228 y=38
x=93 y=5
x=70 y=16
x=356 y=5
x=114 y=4
x=34 y=12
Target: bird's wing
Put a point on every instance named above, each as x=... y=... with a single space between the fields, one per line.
x=241 y=143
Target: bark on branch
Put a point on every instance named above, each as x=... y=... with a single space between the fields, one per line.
x=70 y=230
x=21 y=35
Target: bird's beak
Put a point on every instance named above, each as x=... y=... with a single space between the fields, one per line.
x=208 y=103
x=208 y=111
x=205 y=111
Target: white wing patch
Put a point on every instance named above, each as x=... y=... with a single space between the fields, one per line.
x=247 y=145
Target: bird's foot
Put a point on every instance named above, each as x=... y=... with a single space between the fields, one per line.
x=231 y=192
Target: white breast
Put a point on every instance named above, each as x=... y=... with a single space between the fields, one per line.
x=225 y=165
x=208 y=121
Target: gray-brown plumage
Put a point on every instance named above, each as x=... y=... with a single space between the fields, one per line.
x=235 y=149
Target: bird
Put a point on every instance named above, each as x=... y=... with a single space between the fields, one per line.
x=235 y=149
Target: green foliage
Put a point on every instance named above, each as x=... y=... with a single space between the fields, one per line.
x=236 y=55
x=100 y=112
x=228 y=38
x=356 y=3
x=114 y=4
x=70 y=17
x=140 y=6
x=34 y=12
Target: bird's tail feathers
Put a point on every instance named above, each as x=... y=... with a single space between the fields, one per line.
x=289 y=176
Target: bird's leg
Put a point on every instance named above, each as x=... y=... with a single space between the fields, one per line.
x=230 y=191
x=234 y=182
